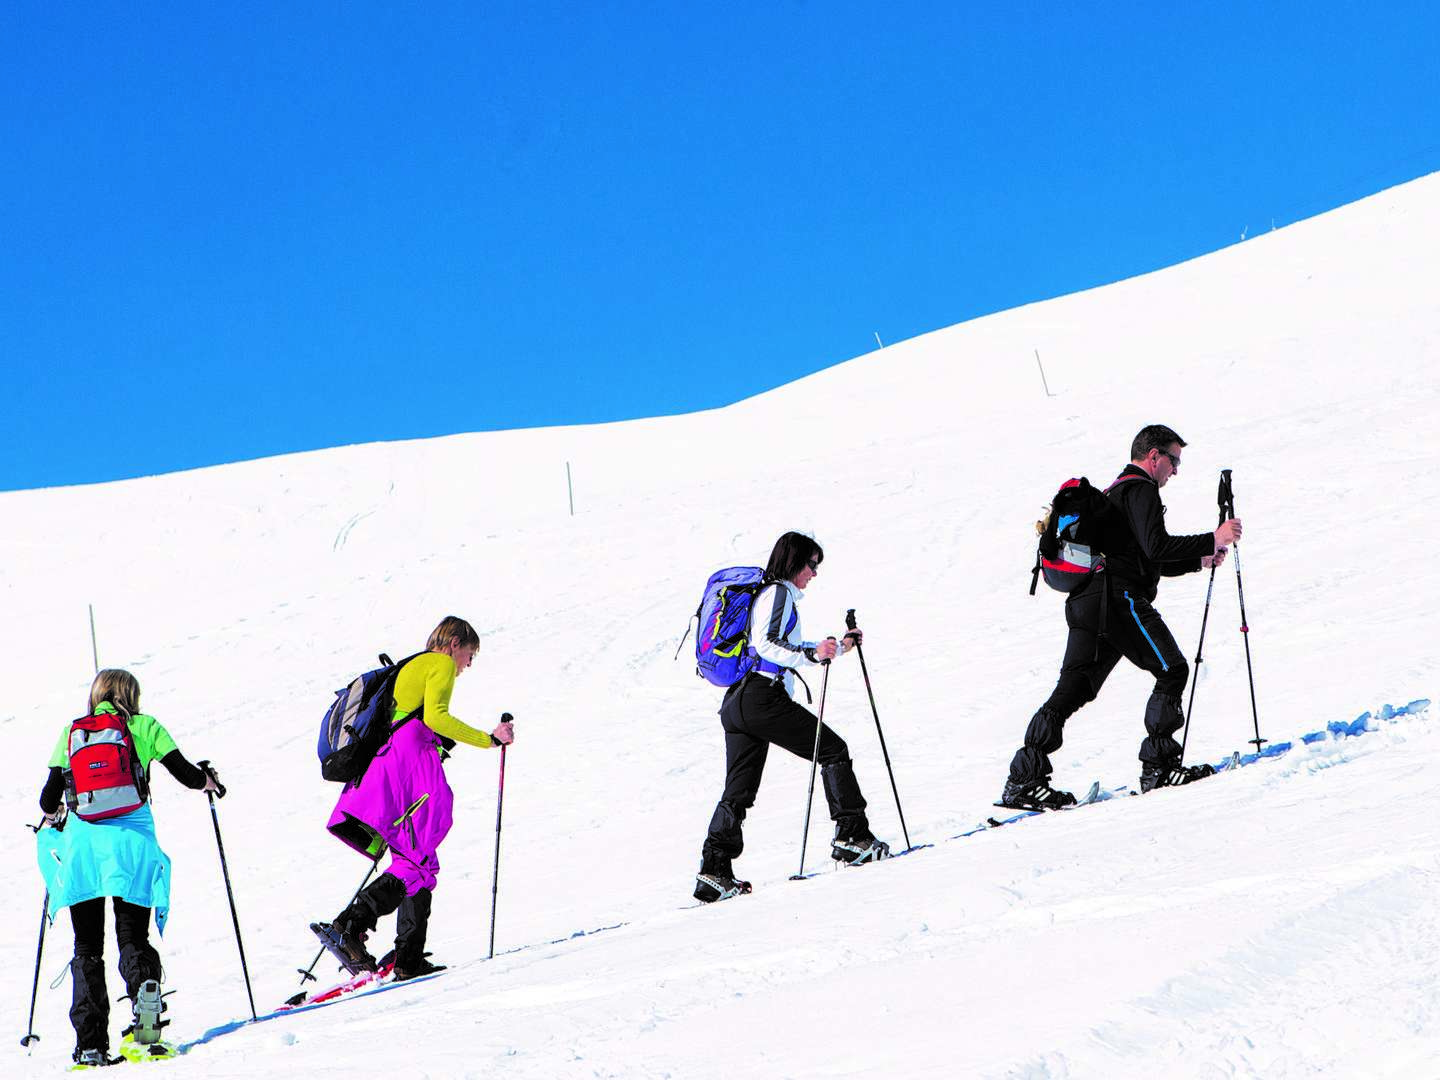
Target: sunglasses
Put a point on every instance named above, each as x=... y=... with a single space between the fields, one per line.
x=1174 y=461
x=814 y=565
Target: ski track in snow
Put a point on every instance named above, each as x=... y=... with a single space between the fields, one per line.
x=1274 y=922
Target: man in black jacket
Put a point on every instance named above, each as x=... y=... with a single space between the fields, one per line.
x=1111 y=616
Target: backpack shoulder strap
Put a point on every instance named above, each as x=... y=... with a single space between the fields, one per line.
x=1121 y=479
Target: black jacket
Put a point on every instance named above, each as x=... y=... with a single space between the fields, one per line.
x=1138 y=556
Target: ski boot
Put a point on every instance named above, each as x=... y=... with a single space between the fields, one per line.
x=855 y=851
x=93 y=1059
x=1034 y=796
x=347 y=948
x=147 y=1005
x=416 y=971
x=712 y=887
x=1158 y=776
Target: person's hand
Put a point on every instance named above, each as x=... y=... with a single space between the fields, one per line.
x=57 y=819
x=504 y=734
x=1227 y=533
x=1213 y=560
x=826 y=650
x=212 y=779
x=851 y=639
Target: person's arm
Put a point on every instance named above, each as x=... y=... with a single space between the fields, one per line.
x=439 y=683
x=192 y=776
x=52 y=793
x=1147 y=522
x=768 y=620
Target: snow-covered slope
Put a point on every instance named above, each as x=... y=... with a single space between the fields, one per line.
x=1277 y=922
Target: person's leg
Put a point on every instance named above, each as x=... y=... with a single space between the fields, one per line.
x=412 y=922
x=373 y=903
x=1148 y=643
x=1089 y=659
x=138 y=959
x=89 y=1002
x=745 y=756
x=774 y=715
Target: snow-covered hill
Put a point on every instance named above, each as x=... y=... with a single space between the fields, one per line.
x=1278 y=922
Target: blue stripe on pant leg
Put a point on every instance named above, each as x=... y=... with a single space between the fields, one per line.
x=1163 y=665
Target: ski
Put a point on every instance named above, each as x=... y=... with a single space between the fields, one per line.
x=349 y=986
x=364 y=986
x=837 y=865
x=1095 y=794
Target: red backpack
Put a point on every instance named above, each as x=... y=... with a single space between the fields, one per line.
x=105 y=779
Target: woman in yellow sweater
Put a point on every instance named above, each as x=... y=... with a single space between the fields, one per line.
x=404 y=802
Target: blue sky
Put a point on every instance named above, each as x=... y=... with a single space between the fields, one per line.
x=229 y=231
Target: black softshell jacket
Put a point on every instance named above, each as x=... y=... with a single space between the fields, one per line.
x=1138 y=556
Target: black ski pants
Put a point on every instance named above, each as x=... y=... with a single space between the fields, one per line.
x=1108 y=620
x=756 y=713
x=412 y=921
x=90 y=1003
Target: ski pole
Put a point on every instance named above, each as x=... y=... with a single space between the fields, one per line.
x=1204 y=619
x=30 y=1035
x=499 y=810
x=225 y=870
x=1244 y=622
x=307 y=974
x=850 y=625
x=814 y=764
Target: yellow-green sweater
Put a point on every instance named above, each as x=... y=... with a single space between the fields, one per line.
x=429 y=680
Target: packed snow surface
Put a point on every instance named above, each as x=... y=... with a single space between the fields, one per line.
x=1277 y=921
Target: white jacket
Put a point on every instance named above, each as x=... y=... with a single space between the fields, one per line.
x=770 y=614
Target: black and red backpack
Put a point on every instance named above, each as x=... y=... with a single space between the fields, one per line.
x=105 y=778
x=1073 y=535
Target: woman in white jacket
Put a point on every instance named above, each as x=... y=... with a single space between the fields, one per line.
x=760 y=710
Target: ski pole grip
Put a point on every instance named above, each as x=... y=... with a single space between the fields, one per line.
x=209 y=770
x=850 y=619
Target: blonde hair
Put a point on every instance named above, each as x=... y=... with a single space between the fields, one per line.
x=119 y=688
x=453 y=630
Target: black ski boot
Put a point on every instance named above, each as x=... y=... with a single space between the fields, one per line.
x=857 y=850
x=716 y=879
x=419 y=969
x=712 y=887
x=1034 y=796
x=347 y=948
x=93 y=1059
x=1158 y=776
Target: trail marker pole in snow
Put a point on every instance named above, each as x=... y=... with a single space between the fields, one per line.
x=570 y=487
x=499 y=811
x=225 y=871
x=814 y=764
x=850 y=625
x=1229 y=497
x=307 y=974
x=30 y=1035
x=1043 y=381
x=94 y=651
x=1204 y=619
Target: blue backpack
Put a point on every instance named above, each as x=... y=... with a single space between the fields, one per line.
x=723 y=655
x=358 y=722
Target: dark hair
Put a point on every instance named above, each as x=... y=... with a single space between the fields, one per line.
x=1153 y=437
x=790 y=554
